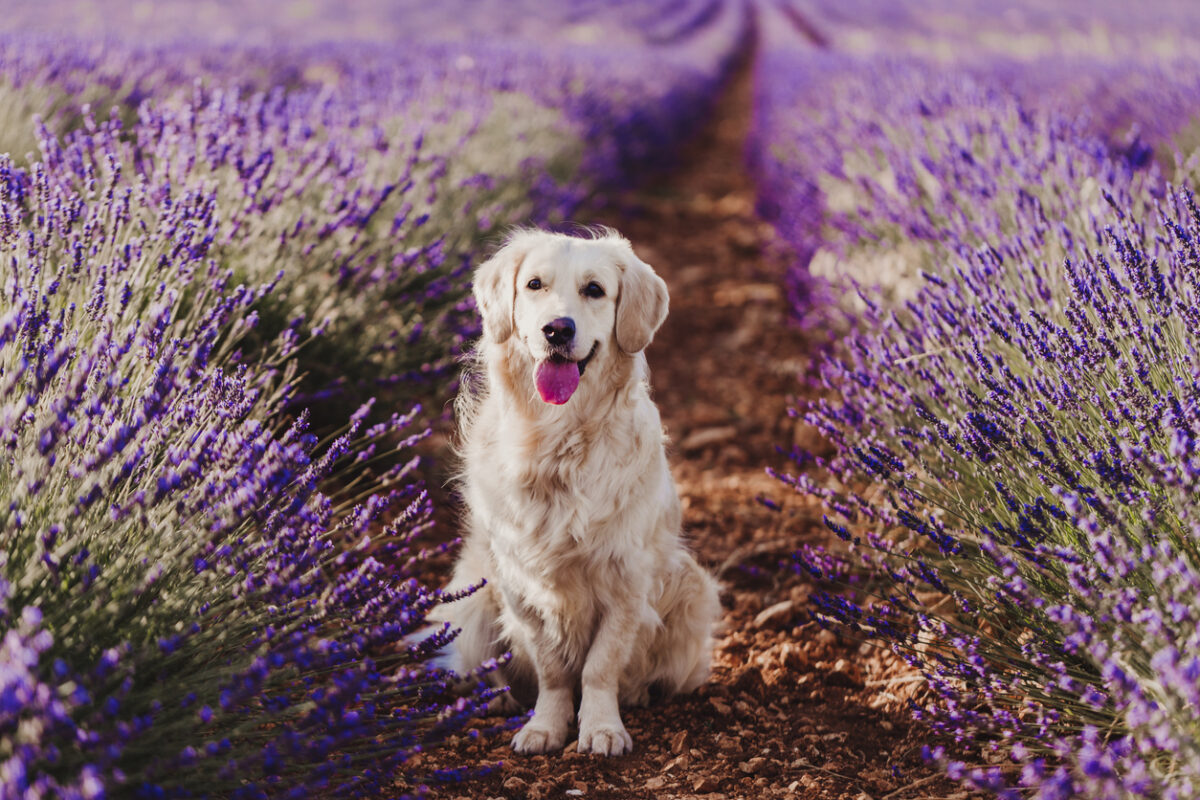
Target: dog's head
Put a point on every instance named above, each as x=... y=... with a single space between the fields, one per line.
x=569 y=303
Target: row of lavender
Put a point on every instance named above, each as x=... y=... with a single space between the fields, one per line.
x=375 y=168
x=1015 y=409
x=200 y=595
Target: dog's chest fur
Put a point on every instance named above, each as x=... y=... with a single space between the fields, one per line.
x=565 y=489
x=559 y=492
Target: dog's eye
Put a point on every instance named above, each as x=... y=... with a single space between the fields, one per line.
x=593 y=289
x=534 y=284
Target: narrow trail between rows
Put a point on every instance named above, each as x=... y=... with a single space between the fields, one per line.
x=791 y=710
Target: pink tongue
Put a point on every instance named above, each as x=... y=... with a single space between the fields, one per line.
x=556 y=382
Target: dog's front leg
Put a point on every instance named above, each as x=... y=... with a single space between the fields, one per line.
x=547 y=730
x=600 y=728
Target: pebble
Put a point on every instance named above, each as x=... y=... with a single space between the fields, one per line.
x=759 y=766
x=698 y=440
x=793 y=657
x=730 y=746
x=721 y=708
x=749 y=682
x=678 y=761
x=515 y=784
x=704 y=785
x=842 y=673
x=779 y=613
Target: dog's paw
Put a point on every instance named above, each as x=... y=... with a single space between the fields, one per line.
x=534 y=738
x=605 y=739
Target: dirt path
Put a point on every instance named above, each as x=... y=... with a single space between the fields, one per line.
x=790 y=711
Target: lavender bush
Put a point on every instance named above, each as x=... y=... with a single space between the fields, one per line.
x=1037 y=528
x=184 y=610
x=1013 y=418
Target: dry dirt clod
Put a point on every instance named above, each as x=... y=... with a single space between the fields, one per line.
x=515 y=784
x=777 y=614
x=721 y=708
x=700 y=439
x=679 y=762
x=843 y=674
x=749 y=683
x=730 y=746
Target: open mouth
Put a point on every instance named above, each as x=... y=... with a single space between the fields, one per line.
x=559 y=358
x=557 y=377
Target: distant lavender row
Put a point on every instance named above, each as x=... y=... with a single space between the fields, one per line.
x=978 y=31
x=858 y=157
x=198 y=596
x=394 y=23
x=373 y=176
x=1014 y=415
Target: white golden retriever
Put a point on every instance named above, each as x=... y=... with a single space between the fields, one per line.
x=573 y=517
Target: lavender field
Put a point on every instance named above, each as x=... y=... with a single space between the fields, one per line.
x=236 y=241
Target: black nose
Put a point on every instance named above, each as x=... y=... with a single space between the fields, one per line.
x=559 y=332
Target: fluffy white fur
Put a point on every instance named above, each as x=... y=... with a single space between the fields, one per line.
x=573 y=519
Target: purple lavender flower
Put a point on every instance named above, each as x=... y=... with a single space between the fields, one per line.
x=1023 y=388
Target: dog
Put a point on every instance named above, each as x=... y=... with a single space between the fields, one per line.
x=573 y=521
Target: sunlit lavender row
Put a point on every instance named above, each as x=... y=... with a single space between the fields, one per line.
x=976 y=31
x=1014 y=408
x=371 y=173
x=875 y=167
x=398 y=23
x=202 y=593
x=173 y=577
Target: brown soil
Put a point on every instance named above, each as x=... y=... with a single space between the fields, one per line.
x=791 y=710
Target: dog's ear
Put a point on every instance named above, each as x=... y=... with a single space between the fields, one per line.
x=641 y=304
x=495 y=288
